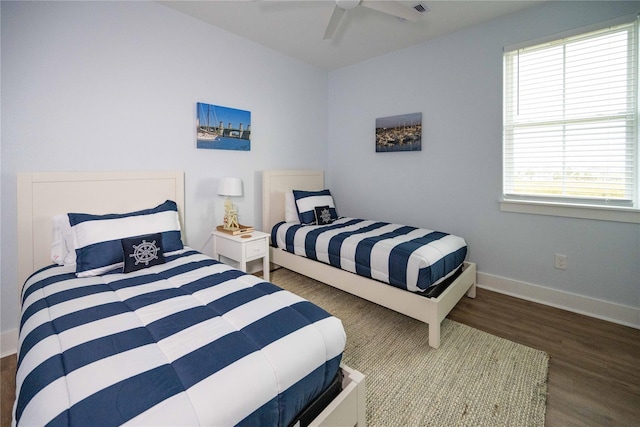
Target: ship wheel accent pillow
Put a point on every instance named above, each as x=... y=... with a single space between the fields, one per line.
x=142 y=252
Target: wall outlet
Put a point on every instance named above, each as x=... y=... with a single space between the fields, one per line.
x=561 y=261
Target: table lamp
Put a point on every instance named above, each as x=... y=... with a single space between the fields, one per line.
x=230 y=187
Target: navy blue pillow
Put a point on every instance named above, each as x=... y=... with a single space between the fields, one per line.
x=306 y=201
x=325 y=215
x=142 y=252
x=97 y=237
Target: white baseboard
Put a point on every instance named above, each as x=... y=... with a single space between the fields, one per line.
x=8 y=342
x=600 y=309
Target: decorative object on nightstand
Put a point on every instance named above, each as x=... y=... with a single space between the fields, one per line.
x=242 y=230
x=230 y=187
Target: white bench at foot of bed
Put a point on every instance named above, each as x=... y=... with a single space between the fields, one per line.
x=349 y=407
x=429 y=310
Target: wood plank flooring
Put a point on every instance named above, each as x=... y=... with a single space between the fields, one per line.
x=594 y=368
x=7 y=388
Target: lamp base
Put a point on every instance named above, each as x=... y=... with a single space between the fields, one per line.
x=230 y=216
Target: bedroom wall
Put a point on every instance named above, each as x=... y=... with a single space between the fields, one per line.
x=454 y=183
x=114 y=86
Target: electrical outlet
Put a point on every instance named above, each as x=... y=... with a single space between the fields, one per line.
x=561 y=261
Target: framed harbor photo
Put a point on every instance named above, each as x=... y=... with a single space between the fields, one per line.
x=399 y=133
x=222 y=128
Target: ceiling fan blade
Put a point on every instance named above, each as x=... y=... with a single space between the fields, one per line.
x=394 y=8
x=332 y=26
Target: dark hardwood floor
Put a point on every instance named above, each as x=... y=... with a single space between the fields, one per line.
x=7 y=388
x=594 y=368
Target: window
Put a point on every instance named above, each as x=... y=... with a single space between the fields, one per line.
x=571 y=120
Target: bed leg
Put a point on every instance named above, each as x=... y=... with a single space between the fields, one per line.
x=471 y=293
x=434 y=335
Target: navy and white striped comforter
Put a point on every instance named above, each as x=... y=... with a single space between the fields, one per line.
x=409 y=258
x=189 y=342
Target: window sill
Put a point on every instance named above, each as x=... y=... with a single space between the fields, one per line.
x=572 y=211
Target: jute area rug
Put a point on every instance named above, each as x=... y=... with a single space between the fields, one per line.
x=473 y=379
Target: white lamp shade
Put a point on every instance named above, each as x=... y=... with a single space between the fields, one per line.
x=230 y=187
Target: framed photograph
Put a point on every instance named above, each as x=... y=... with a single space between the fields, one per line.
x=223 y=128
x=399 y=133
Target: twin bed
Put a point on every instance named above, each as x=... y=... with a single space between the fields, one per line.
x=129 y=326
x=424 y=272
x=162 y=335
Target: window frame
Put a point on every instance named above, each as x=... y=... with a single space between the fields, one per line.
x=568 y=206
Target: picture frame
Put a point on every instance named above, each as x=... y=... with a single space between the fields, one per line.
x=222 y=128
x=399 y=133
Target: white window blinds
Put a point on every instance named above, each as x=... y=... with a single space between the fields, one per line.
x=570 y=119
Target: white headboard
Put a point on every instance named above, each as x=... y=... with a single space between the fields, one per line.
x=42 y=195
x=276 y=182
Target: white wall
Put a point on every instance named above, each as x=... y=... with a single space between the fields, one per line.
x=454 y=183
x=114 y=86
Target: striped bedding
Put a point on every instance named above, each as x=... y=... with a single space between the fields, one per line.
x=409 y=258
x=188 y=342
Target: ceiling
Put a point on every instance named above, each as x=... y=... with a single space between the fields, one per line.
x=296 y=27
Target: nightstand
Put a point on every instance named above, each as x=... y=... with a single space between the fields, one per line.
x=243 y=249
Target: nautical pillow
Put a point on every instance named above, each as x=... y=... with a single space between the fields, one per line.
x=142 y=252
x=323 y=215
x=96 y=238
x=306 y=201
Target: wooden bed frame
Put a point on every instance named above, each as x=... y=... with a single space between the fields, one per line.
x=42 y=195
x=429 y=310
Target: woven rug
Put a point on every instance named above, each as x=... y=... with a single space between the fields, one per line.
x=473 y=379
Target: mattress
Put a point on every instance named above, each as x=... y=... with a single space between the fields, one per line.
x=188 y=342
x=410 y=258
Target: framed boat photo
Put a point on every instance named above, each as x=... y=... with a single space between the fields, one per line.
x=222 y=128
x=399 y=133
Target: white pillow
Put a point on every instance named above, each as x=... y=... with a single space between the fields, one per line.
x=62 y=250
x=290 y=209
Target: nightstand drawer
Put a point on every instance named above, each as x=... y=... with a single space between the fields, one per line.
x=255 y=249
